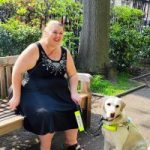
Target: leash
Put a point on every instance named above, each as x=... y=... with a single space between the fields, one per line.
x=81 y=123
x=97 y=132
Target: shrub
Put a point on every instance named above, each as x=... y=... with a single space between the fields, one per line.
x=7 y=10
x=145 y=50
x=71 y=42
x=17 y=36
x=125 y=36
x=6 y=42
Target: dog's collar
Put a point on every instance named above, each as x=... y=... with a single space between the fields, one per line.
x=114 y=127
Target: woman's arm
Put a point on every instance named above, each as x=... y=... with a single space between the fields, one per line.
x=73 y=78
x=26 y=60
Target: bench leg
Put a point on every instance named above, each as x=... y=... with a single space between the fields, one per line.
x=88 y=119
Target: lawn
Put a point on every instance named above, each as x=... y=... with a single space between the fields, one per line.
x=105 y=87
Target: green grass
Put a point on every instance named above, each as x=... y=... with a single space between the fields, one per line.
x=106 y=87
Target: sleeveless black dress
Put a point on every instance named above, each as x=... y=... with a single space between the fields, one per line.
x=45 y=97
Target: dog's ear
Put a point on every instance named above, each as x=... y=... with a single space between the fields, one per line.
x=122 y=105
x=103 y=103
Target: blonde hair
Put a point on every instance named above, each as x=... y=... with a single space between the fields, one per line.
x=49 y=25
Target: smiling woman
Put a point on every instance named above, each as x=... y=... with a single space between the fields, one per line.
x=51 y=39
x=46 y=101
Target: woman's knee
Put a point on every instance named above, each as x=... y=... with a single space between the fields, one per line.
x=71 y=136
x=45 y=141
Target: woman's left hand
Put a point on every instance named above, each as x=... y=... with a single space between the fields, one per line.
x=76 y=98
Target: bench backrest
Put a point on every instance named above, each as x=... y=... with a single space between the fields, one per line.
x=6 y=65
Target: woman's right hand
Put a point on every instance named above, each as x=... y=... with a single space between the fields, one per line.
x=13 y=103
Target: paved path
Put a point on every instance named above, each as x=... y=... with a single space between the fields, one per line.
x=137 y=107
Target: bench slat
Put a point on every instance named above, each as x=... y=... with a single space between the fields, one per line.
x=8 y=117
x=11 y=124
x=8 y=60
x=2 y=82
x=8 y=75
x=4 y=115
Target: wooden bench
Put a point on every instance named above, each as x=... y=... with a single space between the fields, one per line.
x=9 y=121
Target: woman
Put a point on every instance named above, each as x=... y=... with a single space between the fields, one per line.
x=43 y=96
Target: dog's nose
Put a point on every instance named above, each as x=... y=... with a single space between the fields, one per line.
x=112 y=115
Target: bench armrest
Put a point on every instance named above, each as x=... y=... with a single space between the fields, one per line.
x=84 y=79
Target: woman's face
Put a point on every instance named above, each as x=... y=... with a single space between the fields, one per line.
x=56 y=34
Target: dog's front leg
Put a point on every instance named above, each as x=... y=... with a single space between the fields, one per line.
x=119 y=147
x=107 y=145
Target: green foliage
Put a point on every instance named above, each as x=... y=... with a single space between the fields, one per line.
x=127 y=17
x=4 y=1
x=42 y=10
x=72 y=16
x=70 y=41
x=16 y=36
x=35 y=13
x=145 y=50
x=7 y=10
x=126 y=39
x=6 y=42
x=105 y=87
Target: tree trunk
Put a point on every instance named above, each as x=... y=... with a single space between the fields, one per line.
x=94 y=44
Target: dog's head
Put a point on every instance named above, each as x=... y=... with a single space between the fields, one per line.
x=113 y=106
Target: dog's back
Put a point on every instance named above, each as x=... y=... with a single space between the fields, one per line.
x=135 y=140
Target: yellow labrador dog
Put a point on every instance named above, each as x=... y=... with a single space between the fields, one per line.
x=118 y=130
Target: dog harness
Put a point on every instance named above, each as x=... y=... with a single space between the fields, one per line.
x=114 y=127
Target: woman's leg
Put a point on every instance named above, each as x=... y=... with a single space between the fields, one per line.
x=45 y=141
x=71 y=140
x=71 y=136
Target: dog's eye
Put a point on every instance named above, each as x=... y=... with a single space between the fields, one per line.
x=108 y=104
x=117 y=106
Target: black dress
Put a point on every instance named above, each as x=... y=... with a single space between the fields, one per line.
x=45 y=97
